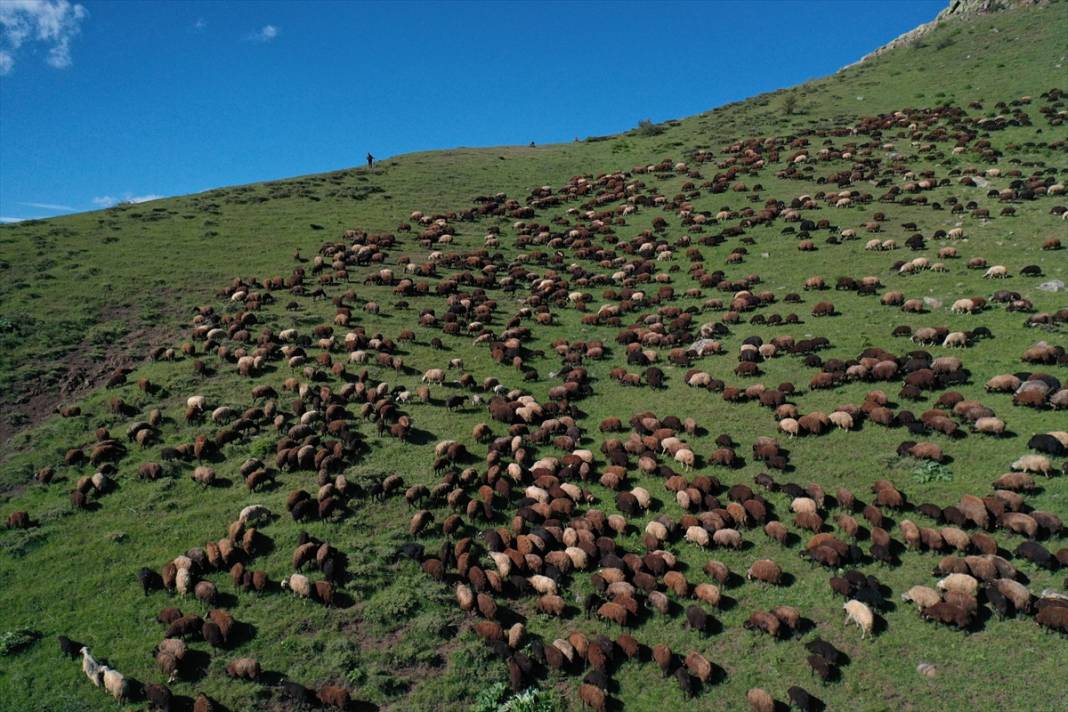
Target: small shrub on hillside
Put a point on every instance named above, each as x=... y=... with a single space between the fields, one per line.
x=14 y=641
x=932 y=472
x=493 y=699
x=789 y=104
x=647 y=128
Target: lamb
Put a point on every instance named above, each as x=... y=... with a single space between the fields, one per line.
x=860 y=614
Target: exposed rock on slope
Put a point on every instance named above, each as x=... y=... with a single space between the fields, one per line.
x=957 y=9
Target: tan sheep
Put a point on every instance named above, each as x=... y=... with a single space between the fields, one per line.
x=860 y=614
x=543 y=584
x=922 y=596
x=1034 y=463
x=116 y=685
x=961 y=583
x=990 y=426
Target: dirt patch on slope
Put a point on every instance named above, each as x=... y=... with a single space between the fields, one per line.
x=85 y=369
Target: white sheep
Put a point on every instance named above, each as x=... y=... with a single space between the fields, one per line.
x=254 y=513
x=299 y=584
x=92 y=669
x=183 y=581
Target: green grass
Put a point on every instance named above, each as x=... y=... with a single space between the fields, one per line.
x=98 y=290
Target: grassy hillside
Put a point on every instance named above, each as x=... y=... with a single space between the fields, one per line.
x=84 y=295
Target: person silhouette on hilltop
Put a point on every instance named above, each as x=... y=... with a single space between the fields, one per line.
x=370 y=160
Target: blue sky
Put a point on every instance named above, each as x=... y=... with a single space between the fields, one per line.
x=108 y=101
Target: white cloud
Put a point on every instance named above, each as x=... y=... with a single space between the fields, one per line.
x=48 y=206
x=267 y=33
x=106 y=201
x=53 y=23
x=6 y=220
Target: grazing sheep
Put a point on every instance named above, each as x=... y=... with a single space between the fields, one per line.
x=1039 y=464
x=990 y=426
x=244 y=669
x=922 y=596
x=116 y=685
x=159 y=697
x=961 y=583
x=70 y=648
x=592 y=697
x=334 y=696
x=205 y=592
x=298 y=584
x=92 y=669
x=765 y=570
x=860 y=614
x=699 y=666
x=760 y=701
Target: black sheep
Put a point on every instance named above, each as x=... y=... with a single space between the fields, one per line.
x=685 y=682
x=70 y=648
x=213 y=635
x=150 y=580
x=696 y=619
x=1047 y=444
x=802 y=700
x=821 y=667
x=295 y=692
x=819 y=646
x=159 y=697
x=1036 y=554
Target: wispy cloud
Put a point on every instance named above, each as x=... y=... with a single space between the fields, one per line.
x=6 y=220
x=47 y=206
x=267 y=33
x=106 y=201
x=52 y=23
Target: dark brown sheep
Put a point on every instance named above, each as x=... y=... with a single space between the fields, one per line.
x=334 y=696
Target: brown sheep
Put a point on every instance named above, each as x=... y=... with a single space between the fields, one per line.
x=592 y=697
x=760 y=701
x=334 y=696
x=699 y=666
x=765 y=570
x=244 y=669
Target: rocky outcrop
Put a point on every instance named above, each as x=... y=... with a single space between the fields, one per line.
x=956 y=10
